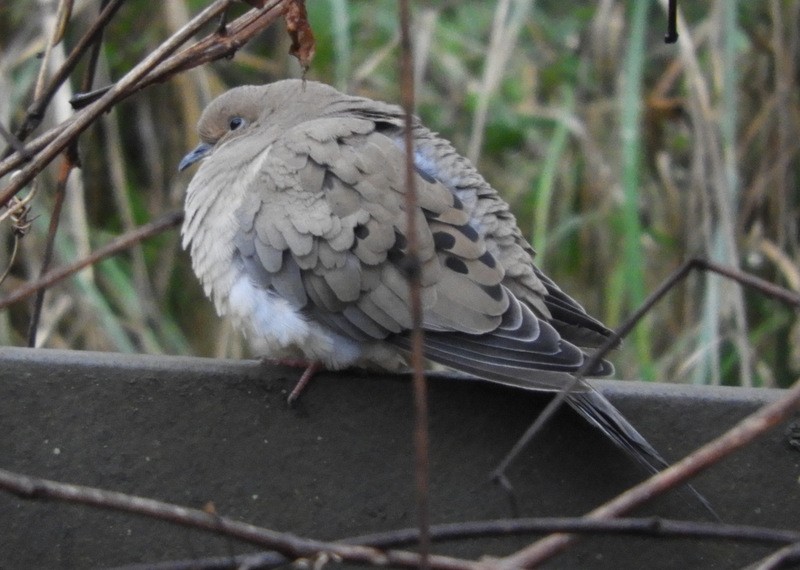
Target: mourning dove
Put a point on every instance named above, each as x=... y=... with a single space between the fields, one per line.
x=296 y=225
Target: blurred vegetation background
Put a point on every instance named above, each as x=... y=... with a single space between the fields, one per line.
x=622 y=156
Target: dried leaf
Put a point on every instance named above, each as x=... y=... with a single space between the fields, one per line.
x=299 y=29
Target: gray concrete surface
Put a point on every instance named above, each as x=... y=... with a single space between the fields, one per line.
x=191 y=430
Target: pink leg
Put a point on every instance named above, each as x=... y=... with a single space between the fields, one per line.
x=309 y=373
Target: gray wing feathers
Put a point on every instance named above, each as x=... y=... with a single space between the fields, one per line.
x=326 y=229
x=344 y=238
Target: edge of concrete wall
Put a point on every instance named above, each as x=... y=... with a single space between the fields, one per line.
x=193 y=430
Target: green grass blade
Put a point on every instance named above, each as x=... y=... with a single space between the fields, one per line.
x=546 y=183
x=630 y=120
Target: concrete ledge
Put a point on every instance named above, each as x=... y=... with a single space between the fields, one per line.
x=193 y=430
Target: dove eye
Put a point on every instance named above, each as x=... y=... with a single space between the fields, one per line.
x=236 y=123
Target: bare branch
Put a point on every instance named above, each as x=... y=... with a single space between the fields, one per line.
x=292 y=546
x=36 y=109
x=650 y=527
x=783 y=295
x=779 y=559
x=737 y=437
x=413 y=269
x=131 y=82
x=61 y=191
x=121 y=243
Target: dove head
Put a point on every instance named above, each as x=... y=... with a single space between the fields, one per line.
x=237 y=112
x=229 y=116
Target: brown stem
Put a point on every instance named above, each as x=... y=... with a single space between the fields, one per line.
x=36 y=110
x=61 y=190
x=784 y=295
x=208 y=49
x=292 y=546
x=121 y=243
x=648 y=527
x=413 y=269
x=94 y=54
x=737 y=437
x=681 y=471
x=122 y=88
x=779 y=559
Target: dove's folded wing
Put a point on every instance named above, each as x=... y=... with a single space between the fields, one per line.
x=325 y=227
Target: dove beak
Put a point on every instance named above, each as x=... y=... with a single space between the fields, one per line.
x=199 y=152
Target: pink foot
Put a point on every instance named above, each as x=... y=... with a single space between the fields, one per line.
x=311 y=368
x=308 y=374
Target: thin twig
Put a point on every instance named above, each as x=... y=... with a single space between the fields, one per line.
x=94 y=53
x=413 y=269
x=292 y=546
x=17 y=159
x=70 y=157
x=737 y=437
x=18 y=213
x=255 y=561
x=214 y=47
x=783 y=295
x=648 y=527
x=149 y=71
x=210 y=48
x=61 y=191
x=14 y=144
x=679 y=274
x=123 y=242
x=11 y=259
x=123 y=87
x=36 y=110
x=779 y=559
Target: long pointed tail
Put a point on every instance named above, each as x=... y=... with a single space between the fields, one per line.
x=602 y=414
